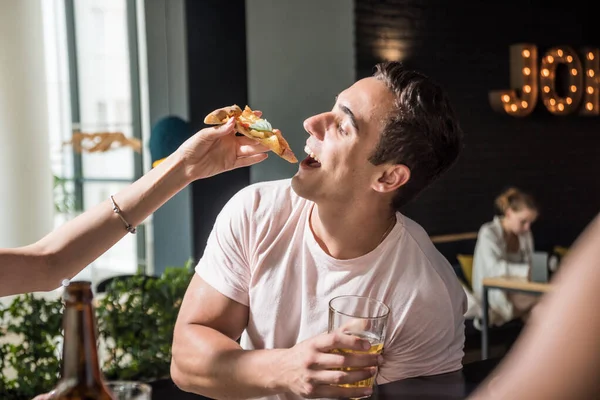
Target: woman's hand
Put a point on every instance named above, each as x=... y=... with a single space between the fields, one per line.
x=217 y=149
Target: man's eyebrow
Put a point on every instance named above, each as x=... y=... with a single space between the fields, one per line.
x=348 y=112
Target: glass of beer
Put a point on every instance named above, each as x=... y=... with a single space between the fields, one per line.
x=360 y=316
x=129 y=390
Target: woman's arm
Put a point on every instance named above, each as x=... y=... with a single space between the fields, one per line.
x=67 y=250
x=491 y=251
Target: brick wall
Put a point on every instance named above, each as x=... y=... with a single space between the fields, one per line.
x=464 y=46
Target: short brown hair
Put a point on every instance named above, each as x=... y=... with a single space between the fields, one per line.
x=422 y=132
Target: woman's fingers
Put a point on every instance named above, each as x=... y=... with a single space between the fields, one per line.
x=250 y=160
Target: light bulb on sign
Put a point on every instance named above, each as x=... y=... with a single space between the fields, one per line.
x=591 y=96
x=521 y=100
x=528 y=77
x=553 y=101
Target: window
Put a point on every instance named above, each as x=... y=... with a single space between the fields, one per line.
x=90 y=91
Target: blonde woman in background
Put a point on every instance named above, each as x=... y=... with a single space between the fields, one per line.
x=504 y=248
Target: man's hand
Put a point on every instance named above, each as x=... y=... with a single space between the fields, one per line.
x=216 y=149
x=306 y=369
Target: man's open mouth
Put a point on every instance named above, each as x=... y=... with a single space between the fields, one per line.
x=312 y=160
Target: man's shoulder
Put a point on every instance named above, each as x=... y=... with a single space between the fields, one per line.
x=417 y=237
x=418 y=244
x=415 y=230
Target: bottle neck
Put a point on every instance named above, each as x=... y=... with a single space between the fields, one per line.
x=80 y=353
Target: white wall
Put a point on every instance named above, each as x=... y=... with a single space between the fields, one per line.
x=167 y=58
x=300 y=55
x=26 y=203
x=166 y=51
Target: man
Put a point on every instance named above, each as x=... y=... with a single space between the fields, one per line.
x=279 y=251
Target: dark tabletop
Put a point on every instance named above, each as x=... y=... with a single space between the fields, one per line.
x=452 y=386
x=455 y=385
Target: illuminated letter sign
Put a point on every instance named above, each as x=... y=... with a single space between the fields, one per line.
x=581 y=85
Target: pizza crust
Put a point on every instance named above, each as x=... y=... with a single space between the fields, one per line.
x=273 y=140
x=221 y=115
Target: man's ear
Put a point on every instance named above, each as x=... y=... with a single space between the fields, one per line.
x=391 y=177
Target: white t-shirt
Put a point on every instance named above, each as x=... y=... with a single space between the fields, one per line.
x=262 y=253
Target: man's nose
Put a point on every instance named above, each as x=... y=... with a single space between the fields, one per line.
x=317 y=125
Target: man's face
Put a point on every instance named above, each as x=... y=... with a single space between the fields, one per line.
x=342 y=140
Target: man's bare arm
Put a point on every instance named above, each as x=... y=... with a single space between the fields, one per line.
x=207 y=327
x=208 y=361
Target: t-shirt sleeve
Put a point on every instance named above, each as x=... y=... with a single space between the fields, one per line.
x=225 y=263
x=426 y=343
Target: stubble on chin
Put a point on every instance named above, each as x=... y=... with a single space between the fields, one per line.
x=301 y=188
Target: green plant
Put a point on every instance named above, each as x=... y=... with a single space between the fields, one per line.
x=135 y=318
x=64 y=199
x=30 y=340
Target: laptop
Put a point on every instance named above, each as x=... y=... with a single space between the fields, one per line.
x=539 y=267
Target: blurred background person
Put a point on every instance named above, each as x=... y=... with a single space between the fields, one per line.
x=504 y=248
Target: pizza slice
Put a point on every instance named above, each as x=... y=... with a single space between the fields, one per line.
x=249 y=124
